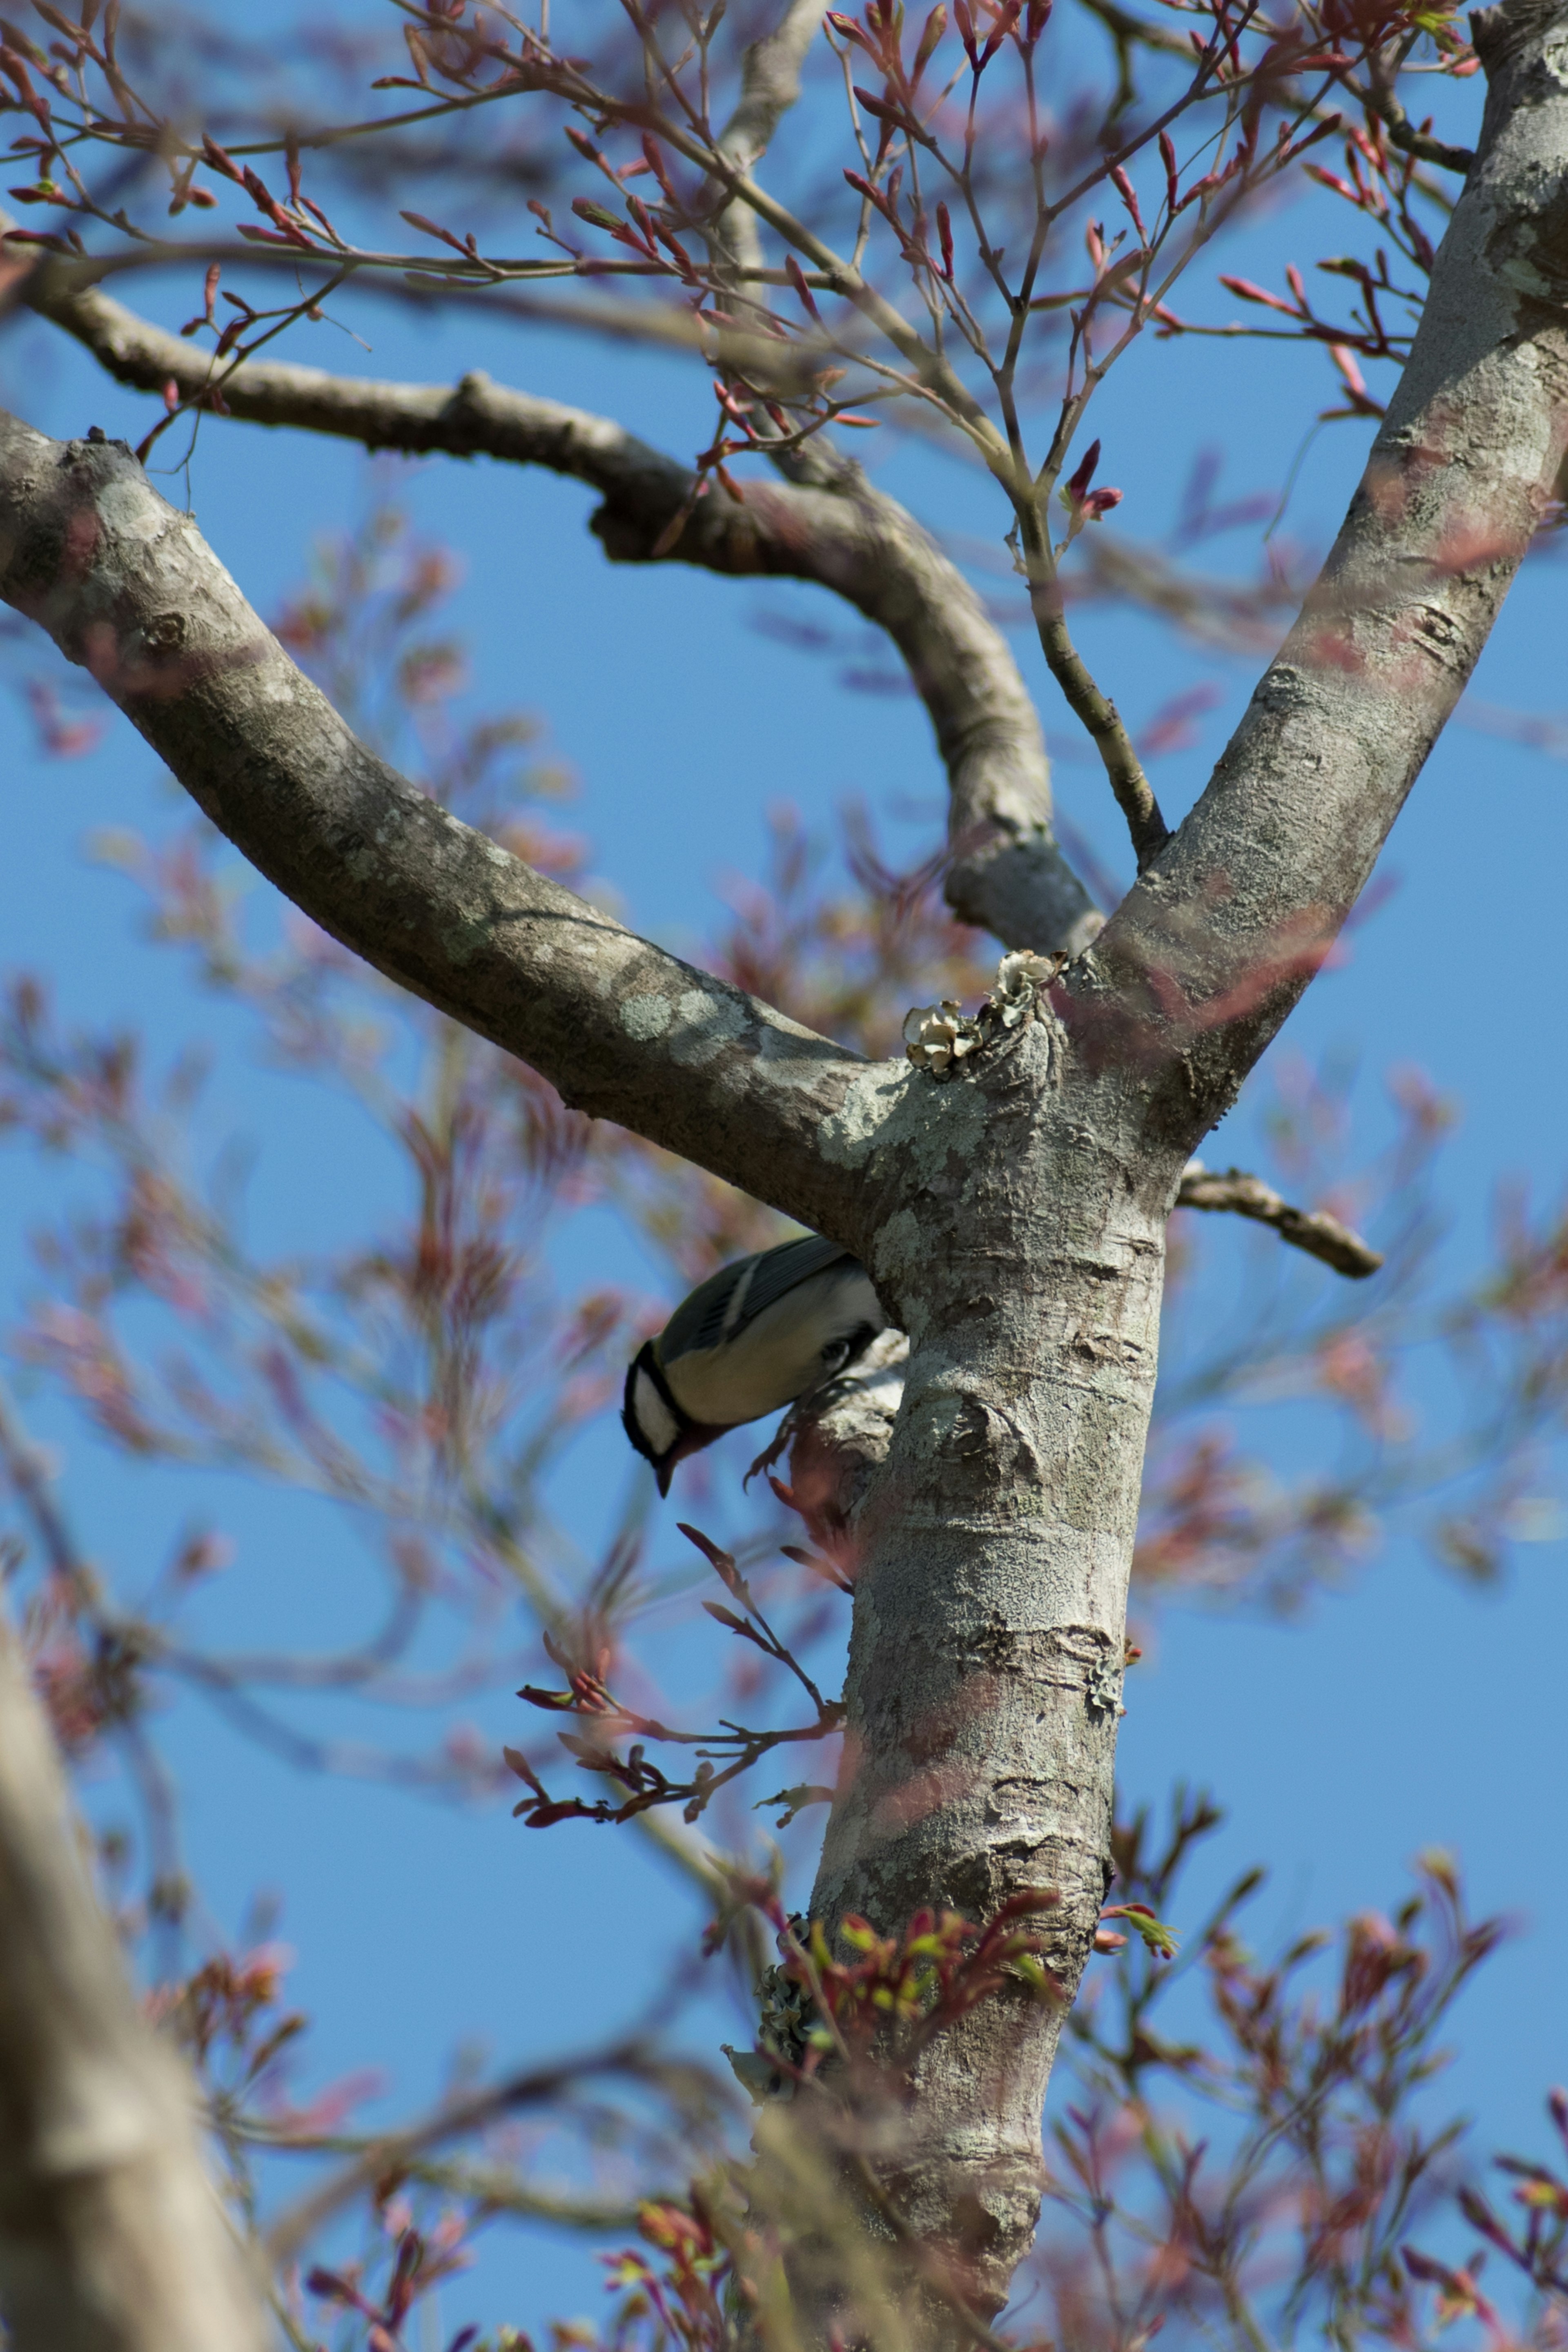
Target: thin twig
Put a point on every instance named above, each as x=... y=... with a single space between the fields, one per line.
x=1134 y=792
x=456 y=2118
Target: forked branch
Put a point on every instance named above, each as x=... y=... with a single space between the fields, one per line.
x=1215 y=948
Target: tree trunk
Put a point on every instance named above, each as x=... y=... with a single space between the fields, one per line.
x=1021 y=1205
x=1020 y=1240
x=112 y=2237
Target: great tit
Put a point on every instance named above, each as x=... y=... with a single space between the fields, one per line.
x=752 y=1338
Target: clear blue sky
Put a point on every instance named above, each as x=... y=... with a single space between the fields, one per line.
x=1402 y=1712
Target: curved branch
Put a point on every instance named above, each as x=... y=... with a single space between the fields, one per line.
x=1216 y=942
x=111 y=2238
x=128 y=589
x=1313 y=1230
x=1007 y=876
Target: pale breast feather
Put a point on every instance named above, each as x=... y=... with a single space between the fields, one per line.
x=653 y=1417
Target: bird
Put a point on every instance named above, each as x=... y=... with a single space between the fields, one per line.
x=754 y=1336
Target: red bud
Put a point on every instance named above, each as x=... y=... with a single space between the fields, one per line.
x=1078 y=487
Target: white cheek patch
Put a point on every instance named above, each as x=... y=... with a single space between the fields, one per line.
x=653 y=1417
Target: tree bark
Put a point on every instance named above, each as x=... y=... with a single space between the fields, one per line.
x=1012 y=1211
x=112 y=2237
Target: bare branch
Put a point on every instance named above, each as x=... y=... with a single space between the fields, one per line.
x=522 y=291
x=1134 y=794
x=1313 y=1230
x=1380 y=95
x=1008 y=874
x=111 y=2238
x=471 y=2111
x=127 y=588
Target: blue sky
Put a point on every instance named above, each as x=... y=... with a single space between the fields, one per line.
x=1402 y=1712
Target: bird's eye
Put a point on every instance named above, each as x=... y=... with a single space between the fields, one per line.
x=833 y=1354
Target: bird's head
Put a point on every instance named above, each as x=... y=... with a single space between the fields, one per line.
x=662 y=1433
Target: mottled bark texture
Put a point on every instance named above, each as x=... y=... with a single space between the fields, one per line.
x=1012 y=1211
x=112 y=2239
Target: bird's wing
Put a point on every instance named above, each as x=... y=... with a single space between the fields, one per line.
x=698 y=1321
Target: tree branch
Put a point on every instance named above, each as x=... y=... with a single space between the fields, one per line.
x=1134 y=794
x=770 y=85
x=1380 y=95
x=1008 y=874
x=1313 y=1230
x=1215 y=944
x=127 y=588
x=111 y=2238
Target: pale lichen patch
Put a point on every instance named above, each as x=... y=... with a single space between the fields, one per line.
x=463 y=940
x=870 y=1098
x=897 y=1247
x=933 y=1123
x=645 y=1016
x=704 y=1026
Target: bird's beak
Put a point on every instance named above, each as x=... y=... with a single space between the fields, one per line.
x=664 y=1472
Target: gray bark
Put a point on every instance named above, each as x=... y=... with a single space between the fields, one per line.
x=1463 y=471
x=1012 y=1211
x=111 y=2238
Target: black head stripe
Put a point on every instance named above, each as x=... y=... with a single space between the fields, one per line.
x=646 y=1361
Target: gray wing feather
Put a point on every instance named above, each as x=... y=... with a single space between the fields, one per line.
x=698 y=1321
